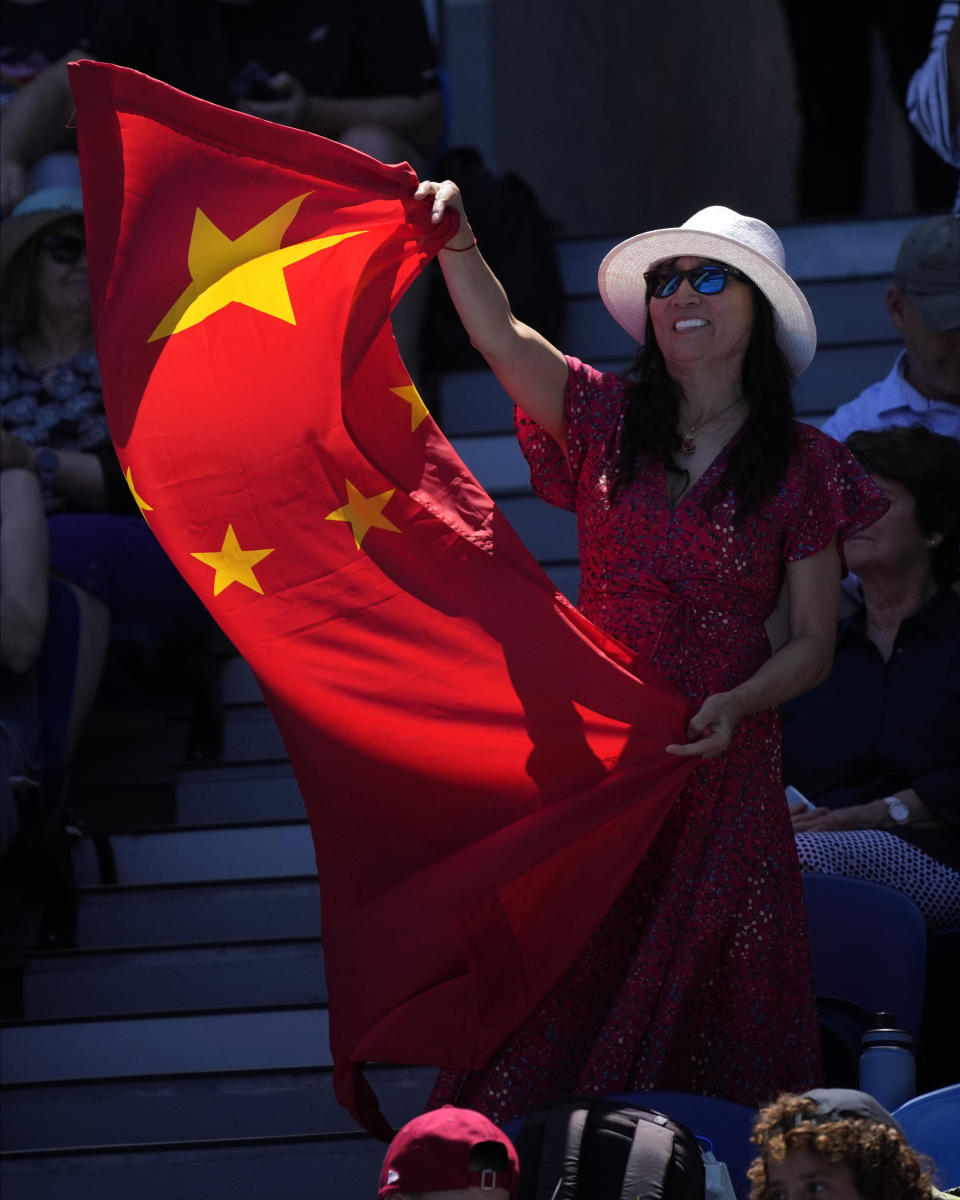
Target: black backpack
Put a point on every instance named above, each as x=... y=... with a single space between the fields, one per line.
x=585 y=1148
x=516 y=238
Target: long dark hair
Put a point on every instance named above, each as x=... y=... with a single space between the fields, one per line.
x=758 y=461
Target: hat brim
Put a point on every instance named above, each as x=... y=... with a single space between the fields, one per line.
x=939 y=311
x=623 y=288
x=15 y=232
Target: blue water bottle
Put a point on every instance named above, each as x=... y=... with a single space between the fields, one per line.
x=888 y=1065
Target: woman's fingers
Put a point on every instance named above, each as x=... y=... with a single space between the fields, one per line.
x=445 y=194
x=710 y=746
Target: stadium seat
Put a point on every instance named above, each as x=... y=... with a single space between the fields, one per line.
x=868 y=944
x=931 y=1124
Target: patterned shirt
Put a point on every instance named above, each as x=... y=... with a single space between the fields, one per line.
x=62 y=408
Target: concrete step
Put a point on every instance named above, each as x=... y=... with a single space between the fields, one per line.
x=838 y=374
x=181 y=1044
x=496 y=460
x=250 y=734
x=237 y=682
x=232 y=794
x=549 y=533
x=566 y=579
x=315 y=1168
x=174 y=914
x=84 y=983
x=233 y=1104
x=814 y=251
x=190 y=854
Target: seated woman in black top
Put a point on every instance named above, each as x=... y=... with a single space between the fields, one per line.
x=876 y=746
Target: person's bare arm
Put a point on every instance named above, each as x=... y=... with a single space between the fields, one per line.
x=801 y=663
x=24 y=562
x=874 y=814
x=416 y=119
x=34 y=123
x=78 y=477
x=532 y=371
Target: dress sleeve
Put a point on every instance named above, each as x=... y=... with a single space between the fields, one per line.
x=828 y=493
x=593 y=418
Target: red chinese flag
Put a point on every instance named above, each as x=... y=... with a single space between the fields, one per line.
x=482 y=769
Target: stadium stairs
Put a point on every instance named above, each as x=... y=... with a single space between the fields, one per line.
x=180 y=1050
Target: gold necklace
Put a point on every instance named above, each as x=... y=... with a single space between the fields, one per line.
x=687 y=444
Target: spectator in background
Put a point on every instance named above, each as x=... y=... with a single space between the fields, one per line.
x=837 y=1142
x=875 y=746
x=832 y=46
x=34 y=34
x=450 y=1154
x=933 y=97
x=923 y=386
x=360 y=71
x=55 y=428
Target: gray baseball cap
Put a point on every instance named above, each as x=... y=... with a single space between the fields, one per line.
x=838 y=1104
x=928 y=269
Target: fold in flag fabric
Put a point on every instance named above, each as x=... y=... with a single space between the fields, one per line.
x=482 y=768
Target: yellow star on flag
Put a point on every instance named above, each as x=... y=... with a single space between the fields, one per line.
x=364 y=513
x=418 y=410
x=232 y=564
x=141 y=503
x=248 y=269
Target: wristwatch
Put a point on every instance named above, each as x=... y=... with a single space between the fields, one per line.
x=47 y=463
x=899 y=813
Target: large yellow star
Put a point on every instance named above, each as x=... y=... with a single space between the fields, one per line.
x=248 y=270
x=141 y=503
x=418 y=410
x=232 y=565
x=364 y=513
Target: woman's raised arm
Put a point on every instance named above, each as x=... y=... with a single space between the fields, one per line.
x=533 y=372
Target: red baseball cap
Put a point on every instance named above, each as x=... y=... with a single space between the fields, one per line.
x=432 y=1154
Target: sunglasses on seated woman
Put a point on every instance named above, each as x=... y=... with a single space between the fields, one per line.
x=707 y=279
x=63 y=247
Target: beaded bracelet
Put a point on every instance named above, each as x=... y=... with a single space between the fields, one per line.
x=460 y=249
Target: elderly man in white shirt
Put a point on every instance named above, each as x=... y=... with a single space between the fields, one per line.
x=923 y=386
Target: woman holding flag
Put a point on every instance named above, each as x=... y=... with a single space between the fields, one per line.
x=699 y=500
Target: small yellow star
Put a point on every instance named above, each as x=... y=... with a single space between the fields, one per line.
x=418 y=410
x=248 y=269
x=233 y=565
x=364 y=513
x=141 y=503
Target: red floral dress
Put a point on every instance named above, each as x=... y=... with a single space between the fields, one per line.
x=698 y=979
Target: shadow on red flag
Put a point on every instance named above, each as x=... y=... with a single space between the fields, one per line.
x=481 y=767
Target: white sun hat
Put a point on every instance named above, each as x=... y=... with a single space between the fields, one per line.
x=725 y=236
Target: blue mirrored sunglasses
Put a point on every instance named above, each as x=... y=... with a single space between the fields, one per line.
x=707 y=280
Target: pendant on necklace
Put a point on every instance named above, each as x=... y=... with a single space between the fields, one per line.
x=688 y=445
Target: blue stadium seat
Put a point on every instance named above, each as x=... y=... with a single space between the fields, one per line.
x=931 y=1124
x=868 y=944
